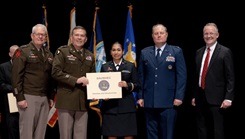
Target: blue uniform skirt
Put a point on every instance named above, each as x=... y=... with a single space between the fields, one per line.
x=119 y=125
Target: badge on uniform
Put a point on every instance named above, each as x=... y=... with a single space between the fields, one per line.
x=50 y=59
x=58 y=52
x=170 y=58
x=109 y=69
x=126 y=71
x=89 y=58
x=72 y=58
x=170 y=67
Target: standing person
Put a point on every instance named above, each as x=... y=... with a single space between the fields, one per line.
x=71 y=63
x=214 y=94
x=163 y=82
x=31 y=80
x=119 y=115
x=10 y=120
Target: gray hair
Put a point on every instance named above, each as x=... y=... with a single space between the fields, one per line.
x=211 y=24
x=156 y=25
x=41 y=26
x=13 y=46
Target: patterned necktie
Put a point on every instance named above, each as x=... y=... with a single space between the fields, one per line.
x=158 y=55
x=205 y=68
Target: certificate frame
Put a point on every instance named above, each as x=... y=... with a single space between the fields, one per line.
x=104 y=85
x=12 y=103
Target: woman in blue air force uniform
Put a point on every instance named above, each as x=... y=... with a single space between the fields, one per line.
x=119 y=115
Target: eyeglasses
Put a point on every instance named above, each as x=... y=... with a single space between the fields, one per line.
x=40 y=35
x=211 y=34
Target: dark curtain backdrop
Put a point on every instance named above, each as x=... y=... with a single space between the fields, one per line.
x=184 y=20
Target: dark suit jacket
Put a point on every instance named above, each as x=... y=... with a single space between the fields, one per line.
x=162 y=83
x=5 y=83
x=129 y=74
x=220 y=78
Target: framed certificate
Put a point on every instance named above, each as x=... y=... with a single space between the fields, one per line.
x=104 y=85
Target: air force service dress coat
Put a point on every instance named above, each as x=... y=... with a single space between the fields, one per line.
x=68 y=66
x=128 y=74
x=164 y=81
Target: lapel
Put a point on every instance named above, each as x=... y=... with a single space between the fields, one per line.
x=214 y=56
x=163 y=56
x=35 y=52
x=123 y=65
x=111 y=67
x=152 y=55
x=46 y=54
x=199 y=57
x=165 y=53
x=8 y=72
x=74 y=52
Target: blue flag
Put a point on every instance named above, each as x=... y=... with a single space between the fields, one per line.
x=97 y=43
x=97 y=48
x=129 y=43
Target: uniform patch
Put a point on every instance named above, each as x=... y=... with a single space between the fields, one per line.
x=170 y=59
x=109 y=69
x=58 y=52
x=89 y=58
x=17 y=53
x=126 y=71
x=50 y=59
x=71 y=57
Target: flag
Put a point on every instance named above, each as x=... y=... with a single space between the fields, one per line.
x=129 y=43
x=97 y=43
x=53 y=115
x=45 y=22
x=53 y=112
x=72 y=21
x=97 y=47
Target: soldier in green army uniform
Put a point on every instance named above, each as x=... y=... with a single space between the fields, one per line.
x=70 y=65
x=32 y=84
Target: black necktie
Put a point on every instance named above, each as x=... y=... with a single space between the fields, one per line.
x=158 y=55
x=117 y=66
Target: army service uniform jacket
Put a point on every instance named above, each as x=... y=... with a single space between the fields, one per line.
x=31 y=72
x=69 y=65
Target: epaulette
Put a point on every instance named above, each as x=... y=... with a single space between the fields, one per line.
x=63 y=46
x=175 y=46
x=59 y=49
x=23 y=46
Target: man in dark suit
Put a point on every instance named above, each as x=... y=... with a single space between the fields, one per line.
x=163 y=82
x=213 y=92
x=10 y=121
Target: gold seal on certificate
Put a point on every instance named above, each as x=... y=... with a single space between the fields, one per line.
x=104 y=85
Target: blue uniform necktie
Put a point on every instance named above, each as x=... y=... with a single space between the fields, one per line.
x=158 y=55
